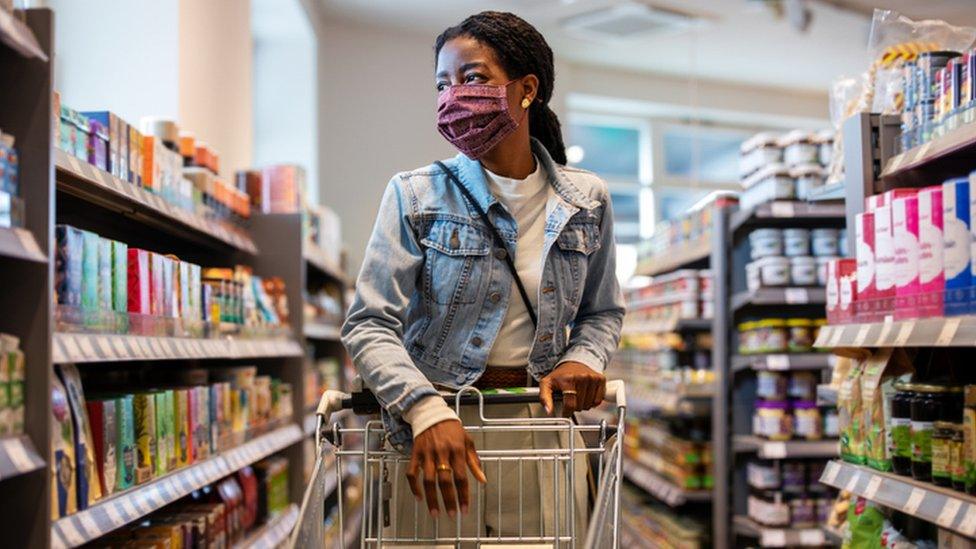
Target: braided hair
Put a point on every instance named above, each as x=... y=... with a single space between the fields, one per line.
x=521 y=50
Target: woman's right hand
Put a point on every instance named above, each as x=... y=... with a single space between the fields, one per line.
x=442 y=455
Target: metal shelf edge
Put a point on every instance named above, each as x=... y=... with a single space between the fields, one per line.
x=273 y=532
x=17 y=243
x=951 y=331
x=80 y=348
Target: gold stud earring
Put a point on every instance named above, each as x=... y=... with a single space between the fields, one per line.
x=526 y=102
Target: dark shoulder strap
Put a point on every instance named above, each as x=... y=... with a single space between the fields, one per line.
x=499 y=241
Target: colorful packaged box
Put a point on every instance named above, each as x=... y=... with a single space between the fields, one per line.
x=5 y=410
x=865 y=292
x=841 y=275
x=931 y=269
x=83 y=129
x=170 y=305
x=184 y=283
x=105 y=283
x=152 y=177
x=884 y=260
x=64 y=484
x=98 y=145
x=216 y=417
x=144 y=408
x=103 y=415
x=16 y=369
x=68 y=265
x=164 y=433
x=957 y=245
x=89 y=271
x=88 y=487
x=135 y=156
x=181 y=424
x=115 y=141
x=125 y=442
x=120 y=276
x=199 y=413
x=904 y=226
x=157 y=287
x=139 y=291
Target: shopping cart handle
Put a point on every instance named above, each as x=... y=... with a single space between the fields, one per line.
x=365 y=403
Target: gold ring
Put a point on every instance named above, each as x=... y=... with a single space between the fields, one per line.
x=444 y=467
x=569 y=392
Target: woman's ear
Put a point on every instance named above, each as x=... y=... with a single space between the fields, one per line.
x=530 y=90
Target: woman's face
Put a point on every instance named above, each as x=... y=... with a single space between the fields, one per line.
x=464 y=60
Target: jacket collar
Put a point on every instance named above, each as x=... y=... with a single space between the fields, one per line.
x=472 y=176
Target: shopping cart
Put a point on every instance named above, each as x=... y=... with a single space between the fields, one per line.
x=364 y=449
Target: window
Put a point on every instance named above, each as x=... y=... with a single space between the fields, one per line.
x=703 y=154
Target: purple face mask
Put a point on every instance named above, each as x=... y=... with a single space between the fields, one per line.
x=475 y=117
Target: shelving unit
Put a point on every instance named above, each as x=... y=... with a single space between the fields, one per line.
x=782 y=213
x=779 y=296
x=783 y=362
x=952 y=331
x=661 y=488
x=272 y=534
x=18 y=457
x=779 y=537
x=687 y=255
x=82 y=348
x=772 y=449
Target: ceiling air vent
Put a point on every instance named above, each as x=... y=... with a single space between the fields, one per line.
x=627 y=21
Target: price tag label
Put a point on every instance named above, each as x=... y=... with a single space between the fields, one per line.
x=968 y=524
x=70 y=533
x=896 y=162
x=105 y=347
x=904 y=332
x=923 y=151
x=778 y=362
x=782 y=209
x=14 y=449
x=885 y=332
x=914 y=501
x=811 y=537
x=71 y=347
x=949 y=328
x=75 y=165
x=852 y=483
x=119 y=345
x=873 y=485
x=88 y=525
x=949 y=512
x=796 y=295
x=862 y=335
x=87 y=349
x=774 y=538
x=114 y=517
x=824 y=336
x=774 y=450
x=837 y=336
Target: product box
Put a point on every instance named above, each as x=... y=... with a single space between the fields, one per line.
x=105 y=284
x=138 y=282
x=5 y=410
x=68 y=265
x=89 y=490
x=865 y=295
x=904 y=226
x=217 y=417
x=164 y=433
x=170 y=307
x=64 y=484
x=120 y=276
x=157 y=286
x=135 y=156
x=103 y=416
x=931 y=269
x=152 y=177
x=884 y=260
x=16 y=371
x=840 y=290
x=144 y=408
x=113 y=124
x=957 y=245
x=181 y=425
x=199 y=414
x=125 y=442
x=89 y=271
x=185 y=307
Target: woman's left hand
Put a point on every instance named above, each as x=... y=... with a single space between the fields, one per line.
x=582 y=387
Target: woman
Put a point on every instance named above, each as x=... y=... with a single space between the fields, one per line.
x=437 y=303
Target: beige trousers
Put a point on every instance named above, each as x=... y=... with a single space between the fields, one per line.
x=523 y=499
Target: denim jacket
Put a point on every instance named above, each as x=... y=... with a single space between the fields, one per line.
x=433 y=291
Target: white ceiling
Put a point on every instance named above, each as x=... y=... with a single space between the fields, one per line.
x=741 y=40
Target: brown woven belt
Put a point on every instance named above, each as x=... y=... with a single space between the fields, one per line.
x=497 y=377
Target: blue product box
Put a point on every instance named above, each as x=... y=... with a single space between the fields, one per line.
x=957 y=245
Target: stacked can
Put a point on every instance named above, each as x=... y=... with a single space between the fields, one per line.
x=909 y=116
x=931 y=88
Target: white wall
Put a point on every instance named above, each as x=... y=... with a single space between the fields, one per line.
x=376 y=118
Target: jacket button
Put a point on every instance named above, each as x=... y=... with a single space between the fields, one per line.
x=544 y=338
x=495 y=297
x=500 y=253
x=476 y=341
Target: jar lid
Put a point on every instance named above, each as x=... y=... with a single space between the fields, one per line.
x=799 y=322
x=804 y=404
x=942 y=425
x=746 y=326
x=773 y=404
x=771 y=323
x=932 y=388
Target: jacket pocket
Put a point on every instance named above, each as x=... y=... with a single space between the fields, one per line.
x=576 y=243
x=456 y=261
x=582 y=238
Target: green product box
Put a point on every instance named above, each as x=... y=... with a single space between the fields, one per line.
x=5 y=411
x=164 y=432
x=15 y=359
x=182 y=426
x=144 y=411
x=126 y=452
x=89 y=272
x=105 y=302
x=120 y=276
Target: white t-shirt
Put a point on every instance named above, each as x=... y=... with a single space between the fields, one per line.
x=528 y=200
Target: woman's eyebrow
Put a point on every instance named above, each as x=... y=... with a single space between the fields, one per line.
x=465 y=67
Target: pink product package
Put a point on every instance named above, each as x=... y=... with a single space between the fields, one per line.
x=840 y=289
x=904 y=227
x=864 y=252
x=931 y=263
x=884 y=256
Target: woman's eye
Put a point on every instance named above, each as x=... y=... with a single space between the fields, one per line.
x=441 y=86
x=474 y=77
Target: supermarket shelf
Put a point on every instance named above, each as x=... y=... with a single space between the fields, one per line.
x=783 y=362
x=953 y=331
x=18 y=457
x=833 y=191
x=89 y=183
x=678 y=257
x=669 y=325
x=826 y=395
x=15 y=34
x=947 y=156
x=779 y=296
x=273 y=533
x=317 y=258
x=78 y=347
x=135 y=503
x=771 y=449
x=779 y=537
x=323 y=332
x=787 y=214
x=686 y=401
x=947 y=508
x=20 y=244
x=661 y=488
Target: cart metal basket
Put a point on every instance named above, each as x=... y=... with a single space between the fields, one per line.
x=341 y=449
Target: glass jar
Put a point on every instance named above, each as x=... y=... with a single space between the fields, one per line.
x=794 y=476
x=763 y=475
x=806 y=420
x=771 y=385
x=956 y=461
x=941 y=461
x=803 y=512
x=771 y=335
x=831 y=425
x=772 y=420
x=748 y=342
x=800 y=335
x=926 y=407
x=901 y=429
x=802 y=386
